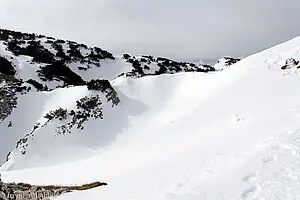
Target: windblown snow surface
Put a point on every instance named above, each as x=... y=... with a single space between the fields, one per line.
x=231 y=134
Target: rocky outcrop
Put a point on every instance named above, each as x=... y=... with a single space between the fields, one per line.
x=24 y=191
x=291 y=63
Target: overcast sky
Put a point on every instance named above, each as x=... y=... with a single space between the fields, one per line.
x=204 y=29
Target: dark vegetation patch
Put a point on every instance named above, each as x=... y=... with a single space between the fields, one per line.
x=22 y=143
x=166 y=66
x=126 y=56
x=56 y=58
x=9 y=91
x=230 y=61
x=105 y=87
x=60 y=72
x=60 y=114
x=6 y=34
x=37 y=85
x=6 y=67
x=86 y=108
x=74 y=52
x=60 y=51
x=33 y=49
x=100 y=85
x=59 y=55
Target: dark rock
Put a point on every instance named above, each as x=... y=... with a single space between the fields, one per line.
x=290 y=63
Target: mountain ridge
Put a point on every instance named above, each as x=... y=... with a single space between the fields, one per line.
x=33 y=63
x=178 y=132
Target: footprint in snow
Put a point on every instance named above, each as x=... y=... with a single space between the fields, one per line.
x=270 y=158
x=250 y=193
x=251 y=177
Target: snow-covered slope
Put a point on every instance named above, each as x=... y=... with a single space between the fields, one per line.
x=54 y=94
x=230 y=134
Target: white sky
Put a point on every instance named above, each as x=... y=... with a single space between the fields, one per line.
x=173 y=28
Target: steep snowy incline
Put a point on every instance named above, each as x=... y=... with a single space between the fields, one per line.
x=228 y=135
